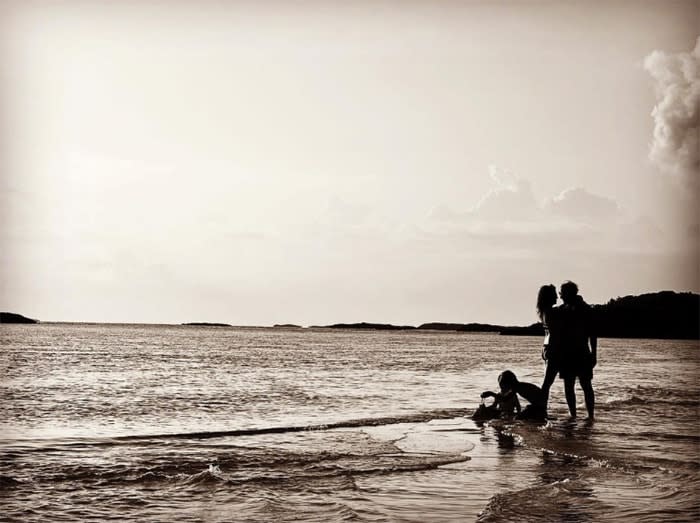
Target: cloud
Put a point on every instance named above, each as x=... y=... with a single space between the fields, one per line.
x=676 y=144
x=510 y=200
x=512 y=206
x=582 y=206
x=509 y=221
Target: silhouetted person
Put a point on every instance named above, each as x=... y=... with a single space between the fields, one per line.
x=508 y=401
x=550 y=316
x=579 y=346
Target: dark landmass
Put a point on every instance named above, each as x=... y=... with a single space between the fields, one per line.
x=660 y=315
x=206 y=324
x=11 y=317
x=536 y=329
x=287 y=326
x=368 y=326
x=533 y=330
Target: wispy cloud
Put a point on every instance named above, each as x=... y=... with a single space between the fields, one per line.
x=509 y=217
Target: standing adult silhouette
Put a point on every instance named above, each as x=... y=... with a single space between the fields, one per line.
x=579 y=347
x=550 y=316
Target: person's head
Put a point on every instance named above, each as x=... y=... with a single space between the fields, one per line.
x=568 y=292
x=546 y=298
x=507 y=380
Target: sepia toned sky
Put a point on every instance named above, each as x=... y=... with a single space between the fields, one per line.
x=310 y=162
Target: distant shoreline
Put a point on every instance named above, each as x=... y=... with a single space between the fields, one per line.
x=660 y=315
x=206 y=324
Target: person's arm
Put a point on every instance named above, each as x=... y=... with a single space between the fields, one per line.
x=593 y=340
x=517 y=404
x=593 y=335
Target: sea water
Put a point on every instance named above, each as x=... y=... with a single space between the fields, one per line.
x=163 y=423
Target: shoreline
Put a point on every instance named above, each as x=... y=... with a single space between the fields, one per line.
x=316 y=329
x=665 y=315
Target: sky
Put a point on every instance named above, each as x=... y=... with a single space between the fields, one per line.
x=313 y=162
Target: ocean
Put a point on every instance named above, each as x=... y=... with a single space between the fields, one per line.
x=179 y=423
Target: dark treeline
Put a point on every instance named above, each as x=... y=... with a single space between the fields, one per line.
x=663 y=314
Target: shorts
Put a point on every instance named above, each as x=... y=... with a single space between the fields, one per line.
x=577 y=365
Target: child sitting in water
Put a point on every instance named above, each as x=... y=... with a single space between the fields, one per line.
x=506 y=402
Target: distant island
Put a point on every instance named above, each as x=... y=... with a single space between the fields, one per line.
x=11 y=317
x=205 y=324
x=535 y=329
x=366 y=326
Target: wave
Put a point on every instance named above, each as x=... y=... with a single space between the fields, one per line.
x=58 y=444
x=326 y=458
x=371 y=466
x=298 y=470
x=628 y=464
x=683 y=395
x=354 y=423
x=548 y=502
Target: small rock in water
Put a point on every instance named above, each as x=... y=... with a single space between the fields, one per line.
x=214 y=468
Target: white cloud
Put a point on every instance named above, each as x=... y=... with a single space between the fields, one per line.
x=508 y=221
x=580 y=205
x=510 y=200
x=513 y=206
x=676 y=145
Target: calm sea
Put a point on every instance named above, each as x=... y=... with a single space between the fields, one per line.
x=165 y=423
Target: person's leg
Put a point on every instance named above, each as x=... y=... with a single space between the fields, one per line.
x=550 y=374
x=570 y=395
x=588 y=395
